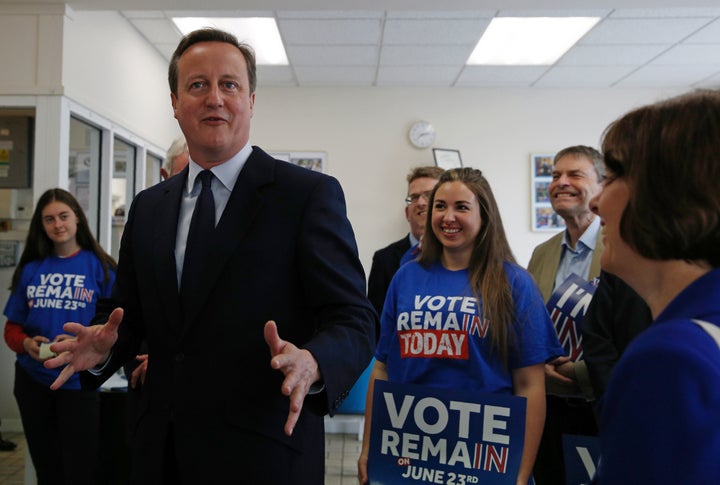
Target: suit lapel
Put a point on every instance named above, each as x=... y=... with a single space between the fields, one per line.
x=164 y=234
x=243 y=205
x=597 y=253
x=547 y=278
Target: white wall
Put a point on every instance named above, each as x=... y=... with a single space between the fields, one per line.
x=100 y=62
x=364 y=132
x=108 y=68
x=31 y=56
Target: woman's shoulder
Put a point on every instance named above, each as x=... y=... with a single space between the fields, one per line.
x=678 y=337
x=410 y=269
x=517 y=274
x=87 y=257
x=30 y=268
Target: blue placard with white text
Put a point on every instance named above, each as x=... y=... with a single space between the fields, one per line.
x=582 y=456
x=567 y=307
x=444 y=436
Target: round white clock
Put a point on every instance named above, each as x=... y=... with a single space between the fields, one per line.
x=422 y=134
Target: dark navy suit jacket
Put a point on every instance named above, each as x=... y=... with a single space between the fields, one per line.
x=283 y=250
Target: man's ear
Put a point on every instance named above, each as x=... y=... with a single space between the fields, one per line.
x=173 y=101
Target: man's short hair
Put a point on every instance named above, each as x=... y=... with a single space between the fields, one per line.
x=211 y=35
x=587 y=152
x=420 y=172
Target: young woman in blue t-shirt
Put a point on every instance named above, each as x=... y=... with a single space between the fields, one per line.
x=466 y=290
x=62 y=273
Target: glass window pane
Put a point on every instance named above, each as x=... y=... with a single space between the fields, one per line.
x=17 y=137
x=84 y=169
x=152 y=169
x=123 y=184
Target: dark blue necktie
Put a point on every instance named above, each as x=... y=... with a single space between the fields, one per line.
x=202 y=226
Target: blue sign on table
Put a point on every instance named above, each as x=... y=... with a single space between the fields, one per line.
x=449 y=436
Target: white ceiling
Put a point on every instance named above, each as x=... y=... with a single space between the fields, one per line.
x=412 y=43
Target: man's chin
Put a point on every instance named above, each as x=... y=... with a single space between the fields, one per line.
x=565 y=211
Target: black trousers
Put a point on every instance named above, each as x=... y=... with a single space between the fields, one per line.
x=61 y=429
x=563 y=416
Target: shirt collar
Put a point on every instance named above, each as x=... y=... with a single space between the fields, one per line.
x=226 y=172
x=588 y=238
x=413 y=240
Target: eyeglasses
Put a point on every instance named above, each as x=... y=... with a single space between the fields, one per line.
x=413 y=198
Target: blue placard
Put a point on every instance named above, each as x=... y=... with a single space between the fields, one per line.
x=448 y=436
x=567 y=307
x=582 y=455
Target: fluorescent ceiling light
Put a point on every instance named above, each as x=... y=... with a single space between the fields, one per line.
x=259 y=32
x=529 y=41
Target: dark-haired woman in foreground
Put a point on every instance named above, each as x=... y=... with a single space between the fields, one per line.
x=660 y=210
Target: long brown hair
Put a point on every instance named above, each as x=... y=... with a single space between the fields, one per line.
x=490 y=251
x=39 y=246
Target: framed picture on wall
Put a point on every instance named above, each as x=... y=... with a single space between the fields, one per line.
x=446 y=158
x=310 y=160
x=544 y=217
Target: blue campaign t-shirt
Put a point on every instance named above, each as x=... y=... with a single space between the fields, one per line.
x=433 y=333
x=51 y=292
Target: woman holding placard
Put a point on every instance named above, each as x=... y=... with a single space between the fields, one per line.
x=466 y=293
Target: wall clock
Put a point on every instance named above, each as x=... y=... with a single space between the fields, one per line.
x=422 y=134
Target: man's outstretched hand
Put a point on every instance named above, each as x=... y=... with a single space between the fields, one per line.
x=299 y=367
x=90 y=347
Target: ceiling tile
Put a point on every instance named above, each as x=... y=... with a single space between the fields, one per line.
x=665 y=12
x=611 y=55
x=713 y=82
x=582 y=76
x=439 y=14
x=330 y=14
x=685 y=54
x=143 y=14
x=322 y=32
x=157 y=30
x=218 y=13
x=416 y=76
x=500 y=75
x=642 y=31
x=667 y=76
x=326 y=76
x=678 y=47
x=433 y=32
x=555 y=13
x=710 y=34
x=275 y=76
x=431 y=55
x=333 y=55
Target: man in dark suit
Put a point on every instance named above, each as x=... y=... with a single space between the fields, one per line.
x=226 y=397
x=386 y=261
x=615 y=316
